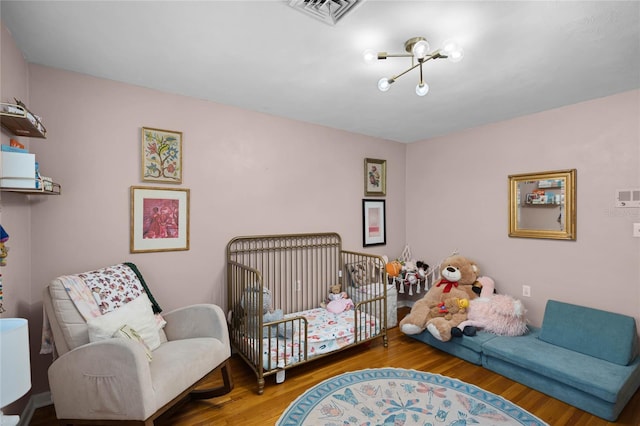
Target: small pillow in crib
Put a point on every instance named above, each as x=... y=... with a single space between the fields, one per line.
x=339 y=306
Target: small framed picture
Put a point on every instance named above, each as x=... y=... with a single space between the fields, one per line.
x=374 y=225
x=159 y=219
x=375 y=177
x=161 y=155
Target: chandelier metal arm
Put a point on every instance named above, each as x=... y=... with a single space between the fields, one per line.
x=385 y=55
x=417 y=48
x=434 y=55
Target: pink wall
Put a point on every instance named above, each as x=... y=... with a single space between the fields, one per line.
x=462 y=182
x=14 y=212
x=252 y=173
x=14 y=216
x=249 y=173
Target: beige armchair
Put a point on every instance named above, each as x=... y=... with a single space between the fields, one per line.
x=97 y=381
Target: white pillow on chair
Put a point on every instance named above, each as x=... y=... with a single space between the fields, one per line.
x=127 y=332
x=137 y=314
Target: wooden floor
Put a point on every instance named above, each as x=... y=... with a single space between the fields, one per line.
x=243 y=406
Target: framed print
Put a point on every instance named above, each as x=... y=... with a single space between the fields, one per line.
x=159 y=219
x=375 y=177
x=543 y=205
x=374 y=228
x=161 y=155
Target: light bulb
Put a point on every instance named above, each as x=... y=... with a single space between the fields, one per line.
x=420 y=49
x=384 y=84
x=456 y=55
x=449 y=46
x=369 y=56
x=452 y=50
x=422 y=89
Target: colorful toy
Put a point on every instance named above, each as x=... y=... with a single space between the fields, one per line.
x=4 y=251
x=451 y=307
x=496 y=313
x=457 y=277
x=338 y=301
x=394 y=268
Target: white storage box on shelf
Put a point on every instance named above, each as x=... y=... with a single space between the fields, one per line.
x=18 y=170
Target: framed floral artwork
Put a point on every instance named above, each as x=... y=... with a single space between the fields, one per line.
x=161 y=155
x=159 y=219
x=375 y=177
x=374 y=223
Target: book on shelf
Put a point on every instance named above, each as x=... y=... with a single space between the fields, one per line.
x=9 y=148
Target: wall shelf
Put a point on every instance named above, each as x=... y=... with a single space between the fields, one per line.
x=542 y=204
x=43 y=187
x=21 y=122
x=17 y=119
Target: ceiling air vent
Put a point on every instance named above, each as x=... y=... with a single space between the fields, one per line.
x=329 y=11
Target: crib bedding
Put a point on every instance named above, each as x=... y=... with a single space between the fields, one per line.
x=326 y=332
x=298 y=270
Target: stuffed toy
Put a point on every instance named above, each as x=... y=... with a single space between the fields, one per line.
x=450 y=308
x=338 y=300
x=366 y=272
x=496 y=313
x=394 y=268
x=335 y=293
x=4 y=251
x=358 y=274
x=269 y=314
x=457 y=277
x=407 y=273
x=422 y=269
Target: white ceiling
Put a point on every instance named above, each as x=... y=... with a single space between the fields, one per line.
x=520 y=57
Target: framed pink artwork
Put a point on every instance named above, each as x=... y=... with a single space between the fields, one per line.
x=159 y=219
x=374 y=229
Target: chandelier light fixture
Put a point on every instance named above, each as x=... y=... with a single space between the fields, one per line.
x=418 y=50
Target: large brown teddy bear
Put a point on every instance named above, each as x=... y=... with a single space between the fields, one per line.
x=458 y=274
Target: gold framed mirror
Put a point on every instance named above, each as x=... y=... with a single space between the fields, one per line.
x=543 y=205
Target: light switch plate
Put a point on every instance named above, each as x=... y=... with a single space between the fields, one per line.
x=636 y=229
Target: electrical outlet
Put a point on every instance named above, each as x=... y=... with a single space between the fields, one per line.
x=298 y=286
x=526 y=291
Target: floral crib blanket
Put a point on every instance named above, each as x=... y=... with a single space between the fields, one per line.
x=326 y=332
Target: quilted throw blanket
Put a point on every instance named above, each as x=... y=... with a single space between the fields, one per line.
x=113 y=286
x=98 y=292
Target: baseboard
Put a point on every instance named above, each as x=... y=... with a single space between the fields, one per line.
x=35 y=401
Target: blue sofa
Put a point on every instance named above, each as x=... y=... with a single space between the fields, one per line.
x=586 y=357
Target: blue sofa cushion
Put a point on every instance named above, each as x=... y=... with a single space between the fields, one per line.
x=465 y=347
x=603 y=379
x=600 y=334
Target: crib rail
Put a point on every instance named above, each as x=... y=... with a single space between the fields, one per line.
x=295 y=272
x=366 y=283
x=296 y=268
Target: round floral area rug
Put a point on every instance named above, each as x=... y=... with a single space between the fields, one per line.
x=395 y=396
